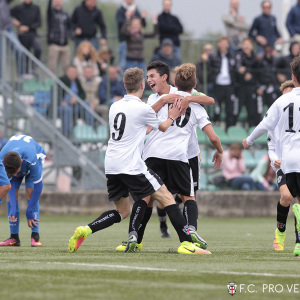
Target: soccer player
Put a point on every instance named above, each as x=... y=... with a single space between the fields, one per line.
x=4 y=182
x=127 y=172
x=157 y=78
x=23 y=157
x=166 y=153
x=284 y=116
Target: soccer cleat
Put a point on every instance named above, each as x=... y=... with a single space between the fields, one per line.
x=35 y=243
x=297 y=249
x=296 y=211
x=165 y=233
x=190 y=248
x=11 y=242
x=122 y=247
x=131 y=244
x=197 y=240
x=278 y=244
x=80 y=234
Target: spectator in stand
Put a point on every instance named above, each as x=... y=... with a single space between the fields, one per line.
x=268 y=85
x=169 y=26
x=134 y=35
x=264 y=176
x=236 y=26
x=167 y=54
x=234 y=168
x=86 y=55
x=247 y=71
x=127 y=8
x=264 y=29
x=69 y=107
x=222 y=72
x=293 y=22
x=283 y=63
x=27 y=19
x=104 y=59
x=90 y=84
x=202 y=70
x=117 y=90
x=59 y=31
x=85 y=19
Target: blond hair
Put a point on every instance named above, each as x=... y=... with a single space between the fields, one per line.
x=185 y=77
x=132 y=78
x=286 y=84
x=92 y=50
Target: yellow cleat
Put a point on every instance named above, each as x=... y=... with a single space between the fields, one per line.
x=190 y=248
x=278 y=244
x=122 y=247
x=296 y=211
x=80 y=234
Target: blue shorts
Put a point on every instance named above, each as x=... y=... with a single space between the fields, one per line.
x=18 y=180
x=3 y=176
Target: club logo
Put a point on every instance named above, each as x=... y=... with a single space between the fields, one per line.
x=231 y=288
x=279 y=179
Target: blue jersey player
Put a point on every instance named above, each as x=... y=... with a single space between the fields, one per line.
x=23 y=157
x=4 y=182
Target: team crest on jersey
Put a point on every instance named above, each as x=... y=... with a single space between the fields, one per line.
x=269 y=139
x=231 y=288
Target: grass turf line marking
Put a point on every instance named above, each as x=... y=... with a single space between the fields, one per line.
x=252 y=274
x=105 y=266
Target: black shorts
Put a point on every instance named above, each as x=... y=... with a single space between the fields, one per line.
x=195 y=167
x=293 y=183
x=139 y=186
x=176 y=175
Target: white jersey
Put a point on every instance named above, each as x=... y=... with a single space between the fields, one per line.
x=193 y=146
x=173 y=144
x=128 y=120
x=284 y=114
x=274 y=146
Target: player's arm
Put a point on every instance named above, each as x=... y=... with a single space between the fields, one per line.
x=215 y=141
x=169 y=98
x=13 y=201
x=196 y=97
x=174 y=113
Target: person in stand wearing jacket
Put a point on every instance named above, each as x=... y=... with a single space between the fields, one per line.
x=59 y=30
x=85 y=18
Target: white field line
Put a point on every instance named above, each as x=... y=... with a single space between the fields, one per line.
x=105 y=266
x=252 y=274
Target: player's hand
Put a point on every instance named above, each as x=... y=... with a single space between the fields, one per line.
x=103 y=42
x=245 y=145
x=261 y=40
x=12 y=219
x=174 y=110
x=149 y=129
x=184 y=104
x=31 y=222
x=217 y=160
x=78 y=31
x=277 y=163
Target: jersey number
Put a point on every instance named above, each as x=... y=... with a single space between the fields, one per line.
x=26 y=139
x=119 y=128
x=290 y=108
x=181 y=123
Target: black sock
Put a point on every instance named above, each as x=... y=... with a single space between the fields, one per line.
x=178 y=222
x=105 y=220
x=178 y=200
x=282 y=214
x=296 y=231
x=137 y=216
x=35 y=236
x=190 y=212
x=15 y=236
x=143 y=225
x=162 y=216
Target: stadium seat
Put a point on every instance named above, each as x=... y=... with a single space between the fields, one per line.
x=101 y=158
x=236 y=134
x=220 y=132
x=250 y=162
x=202 y=137
x=243 y=114
x=84 y=133
x=41 y=101
x=258 y=154
x=207 y=158
x=102 y=133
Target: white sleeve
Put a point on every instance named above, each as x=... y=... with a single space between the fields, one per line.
x=268 y=123
x=151 y=99
x=202 y=117
x=151 y=118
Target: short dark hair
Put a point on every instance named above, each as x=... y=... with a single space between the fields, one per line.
x=12 y=162
x=161 y=68
x=295 y=66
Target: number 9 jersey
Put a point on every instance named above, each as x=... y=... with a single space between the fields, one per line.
x=128 y=120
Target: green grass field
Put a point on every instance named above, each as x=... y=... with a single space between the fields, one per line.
x=241 y=253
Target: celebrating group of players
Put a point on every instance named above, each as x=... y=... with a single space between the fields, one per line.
x=167 y=163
